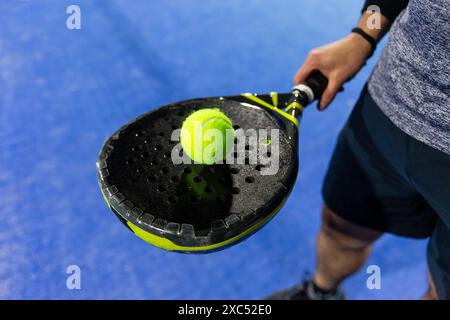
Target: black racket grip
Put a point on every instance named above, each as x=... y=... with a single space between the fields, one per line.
x=317 y=82
x=311 y=89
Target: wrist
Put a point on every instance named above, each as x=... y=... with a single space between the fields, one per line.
x=361 y=44
x=366 y=36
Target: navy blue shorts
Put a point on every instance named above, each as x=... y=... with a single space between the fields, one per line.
x=381 y=178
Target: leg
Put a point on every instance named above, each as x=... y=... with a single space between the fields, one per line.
x=365 y=184
x=342 y=248
x=431 y=293
x=428 y=166
x=438 y=256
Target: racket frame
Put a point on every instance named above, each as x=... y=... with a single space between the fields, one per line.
x=293 y=104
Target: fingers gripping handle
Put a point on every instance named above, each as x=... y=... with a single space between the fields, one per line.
x=317 y=83
x=313 y=87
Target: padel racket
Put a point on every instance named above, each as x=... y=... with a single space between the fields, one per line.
x=198 y=208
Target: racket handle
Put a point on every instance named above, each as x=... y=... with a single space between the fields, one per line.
x=313 y=87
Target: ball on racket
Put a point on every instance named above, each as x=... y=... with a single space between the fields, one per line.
x=207 y=136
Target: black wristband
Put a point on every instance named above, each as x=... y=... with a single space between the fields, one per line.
x=368 y=38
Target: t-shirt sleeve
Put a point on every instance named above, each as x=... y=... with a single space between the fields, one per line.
x=389 y=8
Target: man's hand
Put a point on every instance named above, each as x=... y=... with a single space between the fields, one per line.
x=338 y=61
x=341 y=60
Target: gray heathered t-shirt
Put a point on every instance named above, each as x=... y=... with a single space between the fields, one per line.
x=411 y=82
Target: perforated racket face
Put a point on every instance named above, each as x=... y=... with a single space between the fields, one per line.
x=191 y=204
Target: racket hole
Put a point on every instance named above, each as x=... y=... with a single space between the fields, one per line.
x=235 y=140
x=136 y=148
x=148 y=141
x=208 y=190
x=171 y=199
x=269 y=154
x=161 y=188
x=139 y=134
x=174 y=179
x=158 y=147
x=167 y=155
x=154 y=162
x=235 y=190
x=235 y=127
x=259 y=167
x=234 y=170
x=187 y=170
x=140 y=170
x=130 y=161
x=197 y=179
x=249 y=179
x=145 y=155
x=248 y=147
x=165 y=170
x=247 y=161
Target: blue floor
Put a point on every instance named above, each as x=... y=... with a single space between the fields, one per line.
x=62 y=92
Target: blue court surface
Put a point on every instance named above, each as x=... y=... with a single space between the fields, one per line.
x=63 y=92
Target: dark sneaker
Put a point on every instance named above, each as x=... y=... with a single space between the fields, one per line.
x=306 y=291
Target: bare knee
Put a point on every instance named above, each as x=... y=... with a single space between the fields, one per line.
x=431 y=293
x=345 y=234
